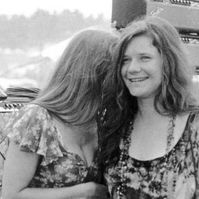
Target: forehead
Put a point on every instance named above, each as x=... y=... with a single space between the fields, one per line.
x=141 y=44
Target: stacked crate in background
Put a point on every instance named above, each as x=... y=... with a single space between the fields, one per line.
x=183 y=14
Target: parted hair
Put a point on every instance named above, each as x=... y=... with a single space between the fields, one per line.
x=173 y=96
x=73 y=93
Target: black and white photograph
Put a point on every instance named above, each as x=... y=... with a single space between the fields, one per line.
x=99 y=99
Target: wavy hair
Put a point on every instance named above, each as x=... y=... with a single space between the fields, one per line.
x=73 y=93
x=173 y=96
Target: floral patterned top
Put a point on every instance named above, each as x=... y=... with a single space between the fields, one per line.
x=173 y=175
x=33 y=129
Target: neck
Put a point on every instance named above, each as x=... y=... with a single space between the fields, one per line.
x=146 y=108
x=80 y=135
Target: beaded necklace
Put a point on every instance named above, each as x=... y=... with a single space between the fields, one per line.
x=122 y=163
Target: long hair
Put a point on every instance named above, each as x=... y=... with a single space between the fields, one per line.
x=73 y=93
x=173 y=96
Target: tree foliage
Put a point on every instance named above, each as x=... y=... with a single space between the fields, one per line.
x=42 y=27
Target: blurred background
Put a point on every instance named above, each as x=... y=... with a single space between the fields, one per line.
x=34 y=33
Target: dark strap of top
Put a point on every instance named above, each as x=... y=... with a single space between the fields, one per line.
x=190 y=120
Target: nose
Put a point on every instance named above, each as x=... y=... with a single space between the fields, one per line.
x=134 y=66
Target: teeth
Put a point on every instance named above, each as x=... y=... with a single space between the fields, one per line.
x=138 y=79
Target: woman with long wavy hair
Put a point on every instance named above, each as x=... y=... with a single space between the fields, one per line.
x=150 y=130
x=53 y=140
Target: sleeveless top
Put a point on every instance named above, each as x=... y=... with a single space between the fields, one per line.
x=33 y=129
x=173 y=175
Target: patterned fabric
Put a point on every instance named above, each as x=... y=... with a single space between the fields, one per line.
x=33 y=129
x=170 y=176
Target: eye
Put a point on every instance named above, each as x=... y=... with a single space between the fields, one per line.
x=125 y=60
x=145 y=58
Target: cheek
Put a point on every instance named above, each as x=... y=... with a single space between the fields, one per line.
x=123 y=71
x=123 y=75
x=157 y=70
x=158 y=77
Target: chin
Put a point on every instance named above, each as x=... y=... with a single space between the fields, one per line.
x=142 y=94
x=138 y=94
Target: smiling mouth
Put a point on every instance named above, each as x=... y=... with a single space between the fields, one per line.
x=138 y=79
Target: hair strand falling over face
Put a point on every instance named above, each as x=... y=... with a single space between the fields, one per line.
x=74 y=91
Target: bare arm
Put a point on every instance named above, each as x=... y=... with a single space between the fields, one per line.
x=19 y=169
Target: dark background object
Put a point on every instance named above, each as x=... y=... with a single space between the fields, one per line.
x=183 y=14
x=124 y=11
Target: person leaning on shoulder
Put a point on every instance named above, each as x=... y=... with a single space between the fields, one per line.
x=53 y=140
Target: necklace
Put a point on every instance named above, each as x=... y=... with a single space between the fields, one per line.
x=122 y=163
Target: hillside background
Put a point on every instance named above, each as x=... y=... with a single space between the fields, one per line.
x=30 y=46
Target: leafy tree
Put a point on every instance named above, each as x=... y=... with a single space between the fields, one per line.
x=42 y=28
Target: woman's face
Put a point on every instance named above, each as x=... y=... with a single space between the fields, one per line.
x=142 y=67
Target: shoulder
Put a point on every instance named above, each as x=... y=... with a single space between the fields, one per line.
x=33 y=110
x=34 y=131
x=194 y=116
x=29 y=122
x=193 y=123
x=28 y=114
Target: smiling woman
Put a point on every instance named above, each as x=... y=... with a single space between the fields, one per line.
x=150 y=124
x=142 y=67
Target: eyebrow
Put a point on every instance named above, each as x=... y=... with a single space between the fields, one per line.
x=146 y=53
x=139 y=53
